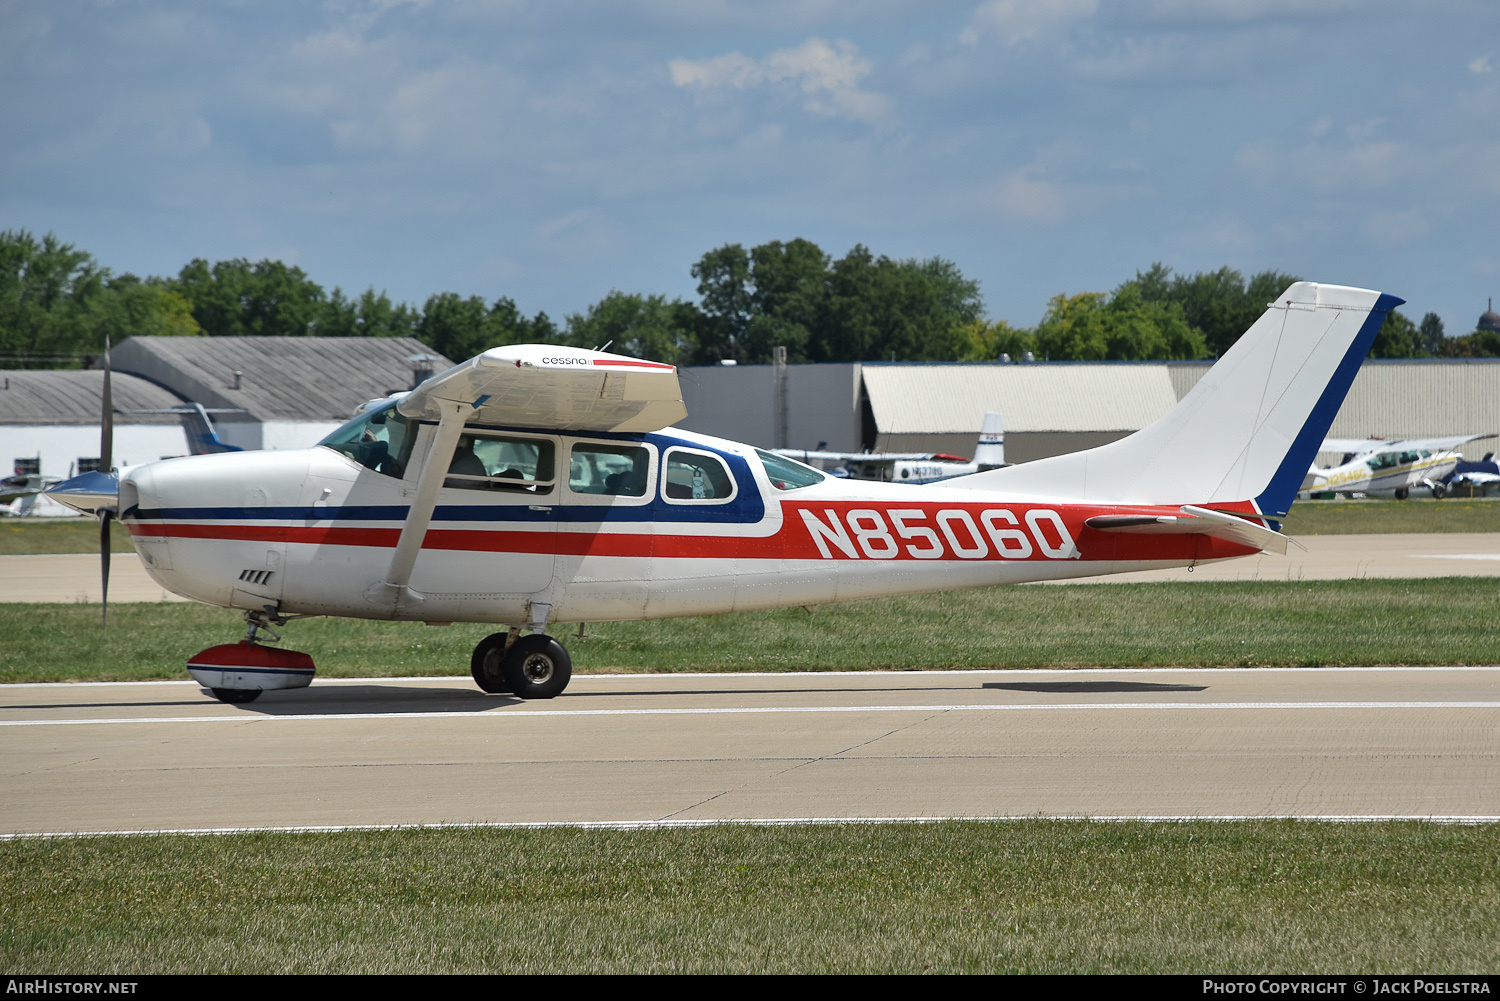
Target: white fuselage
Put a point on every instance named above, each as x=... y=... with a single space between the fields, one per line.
x=1384 y=474
x=312 y=532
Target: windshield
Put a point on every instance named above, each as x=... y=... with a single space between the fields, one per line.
x=380 y=440
x=786 y=474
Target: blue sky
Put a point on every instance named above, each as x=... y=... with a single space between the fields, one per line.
x=552 y=151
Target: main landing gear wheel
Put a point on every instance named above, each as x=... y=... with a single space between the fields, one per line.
x=236 y=696
x=537 y=667
x=1439 y=491
x=485 y=664
x=1402 y=493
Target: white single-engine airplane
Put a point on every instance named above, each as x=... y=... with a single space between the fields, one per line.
x=914 y=467
x=537 y=484
x=1376 y=467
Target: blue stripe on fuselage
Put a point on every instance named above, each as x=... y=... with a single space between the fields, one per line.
x=1282 y=490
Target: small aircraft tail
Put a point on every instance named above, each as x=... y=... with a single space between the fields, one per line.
x=202 y=439
x=1246 y=432
x=991 y=449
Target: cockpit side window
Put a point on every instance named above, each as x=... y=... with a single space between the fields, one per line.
x=380 y=439
x=501 y=462
x=787 y=474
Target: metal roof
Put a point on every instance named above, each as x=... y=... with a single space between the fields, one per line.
x=911 y=399
x=281 y=378
x=52 y=396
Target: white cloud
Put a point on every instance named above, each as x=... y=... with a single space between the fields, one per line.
x=1241 y=10
x=1481 y=65
x=1016 y=21
x=828 y=76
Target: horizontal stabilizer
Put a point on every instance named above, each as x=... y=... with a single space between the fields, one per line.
x=555 y=388
x=1194 y=521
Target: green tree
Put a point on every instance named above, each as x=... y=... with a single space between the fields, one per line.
x=1398 y=338
x=1220 y=304
x=1433 y=337
x=726 y=302
x=132 y=307
x=237 y=299
x=462 y=328
x=979 y=340
x=371 y=315
x=48 y=290
x=647 y=327
x=878 y=308
x=1479 y=344
x=1093 y=326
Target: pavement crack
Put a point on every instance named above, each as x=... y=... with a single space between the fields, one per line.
x=801 y=763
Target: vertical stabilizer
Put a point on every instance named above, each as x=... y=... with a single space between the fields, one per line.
x=1246 y=432
x=991 y=450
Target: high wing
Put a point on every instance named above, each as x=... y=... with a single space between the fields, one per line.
x=556 y=388
x=1359 y=447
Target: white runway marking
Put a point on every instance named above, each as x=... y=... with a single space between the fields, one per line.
x=749 y=710
x=1455 y=556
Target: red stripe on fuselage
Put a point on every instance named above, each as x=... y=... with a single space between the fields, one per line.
x=793 y=541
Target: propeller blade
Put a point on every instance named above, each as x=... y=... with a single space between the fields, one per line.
x=107 y=420
x=104 y=520
x=106 y=466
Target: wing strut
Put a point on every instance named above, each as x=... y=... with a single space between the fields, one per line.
x=394 y=589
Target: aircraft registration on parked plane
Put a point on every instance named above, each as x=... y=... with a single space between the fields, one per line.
x=536 y=484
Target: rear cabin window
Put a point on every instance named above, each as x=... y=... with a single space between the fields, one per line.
x=500 y=462
x=696 y=476
x=380 y=440
x=609 y=469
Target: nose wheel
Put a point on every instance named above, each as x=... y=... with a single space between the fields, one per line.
x=531 y=667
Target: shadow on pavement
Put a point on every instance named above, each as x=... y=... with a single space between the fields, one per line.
x=1090 y=687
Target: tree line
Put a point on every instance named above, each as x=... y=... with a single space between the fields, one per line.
x=58 y=304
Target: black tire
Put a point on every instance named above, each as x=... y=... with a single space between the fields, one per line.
x=1439 y=491
x=485 y=666
x=236 y=696
x=1401 y=493
x=537 y=667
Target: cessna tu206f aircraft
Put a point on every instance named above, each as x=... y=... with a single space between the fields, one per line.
x=539 y=484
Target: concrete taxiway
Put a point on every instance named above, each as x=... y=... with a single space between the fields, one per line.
x=1367 y=742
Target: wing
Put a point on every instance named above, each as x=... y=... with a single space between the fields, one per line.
x=555 y=388
x=1376 y=446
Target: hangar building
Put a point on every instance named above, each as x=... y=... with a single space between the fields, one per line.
x=289 y=392
x=1048 y=407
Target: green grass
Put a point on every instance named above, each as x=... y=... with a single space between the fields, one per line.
x=1011 y=897
x=30 y=536
x=1208 y=624
x=1378 y=517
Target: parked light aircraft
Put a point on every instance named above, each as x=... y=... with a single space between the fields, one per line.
x=1379 y=468
x=913 y=467
x=536 y=484
x=1476 y=477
